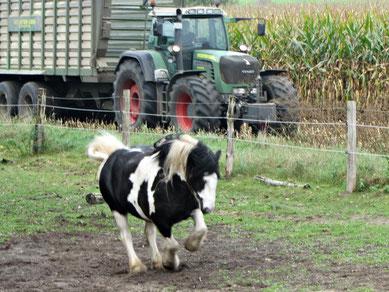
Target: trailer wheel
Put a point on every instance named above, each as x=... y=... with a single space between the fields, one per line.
x=28 y=97
x=281 y=91
x=9 y=91
x=195 y=104
x=143 y=106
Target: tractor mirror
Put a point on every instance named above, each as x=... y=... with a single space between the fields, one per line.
x=157 y=28
x=262 y=27
x=165 y=29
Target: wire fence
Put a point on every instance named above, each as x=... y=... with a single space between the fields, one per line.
x=265 y=123
x=221 y=117
x=348 y=125
x=152 y=101
x=159 y=134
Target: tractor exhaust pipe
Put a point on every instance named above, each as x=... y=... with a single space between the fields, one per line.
x=178 y=38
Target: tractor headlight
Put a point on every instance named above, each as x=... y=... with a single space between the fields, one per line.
x=244 y=48
x=239 y=91
x=174 y=49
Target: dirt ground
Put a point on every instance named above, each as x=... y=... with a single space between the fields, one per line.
x=98 y=262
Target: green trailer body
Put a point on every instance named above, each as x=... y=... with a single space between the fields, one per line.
x=70 y=38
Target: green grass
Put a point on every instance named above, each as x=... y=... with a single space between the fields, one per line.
x=46 y=193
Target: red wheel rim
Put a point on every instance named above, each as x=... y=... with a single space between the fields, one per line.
x=182 y=110
x=134 y=101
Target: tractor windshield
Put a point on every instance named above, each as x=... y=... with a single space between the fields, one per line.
x=204 y=33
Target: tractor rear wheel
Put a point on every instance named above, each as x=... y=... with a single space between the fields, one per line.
x=143 y=105
x=9 y=91
x=194 y=104
x=281 y=91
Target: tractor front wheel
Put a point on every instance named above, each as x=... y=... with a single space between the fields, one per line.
x=194 y=104
x=281 y=91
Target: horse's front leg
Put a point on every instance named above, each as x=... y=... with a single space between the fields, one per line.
x=196 y=239
x=170 y=258
x=135 y=264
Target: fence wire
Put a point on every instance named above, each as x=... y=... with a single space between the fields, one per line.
x=200 y=136
x=208 y=117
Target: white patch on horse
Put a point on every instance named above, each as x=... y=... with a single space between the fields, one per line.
x=146 y=171
x=208 y=194
x=135 y=150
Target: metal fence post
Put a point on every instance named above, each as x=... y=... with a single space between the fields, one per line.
x=351 y=146
x=126 y=116
x=230 y=136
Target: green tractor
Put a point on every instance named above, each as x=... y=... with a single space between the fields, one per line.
x=187 y=74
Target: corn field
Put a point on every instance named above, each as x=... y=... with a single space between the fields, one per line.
x=332 y=52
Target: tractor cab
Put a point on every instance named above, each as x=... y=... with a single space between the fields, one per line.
x=186 y=30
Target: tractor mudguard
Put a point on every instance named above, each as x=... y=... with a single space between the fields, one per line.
x=145 y=61
x=272 y=72
x=183 y=74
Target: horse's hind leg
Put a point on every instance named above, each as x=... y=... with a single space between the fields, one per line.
x=195 y=240
x=151 y=234
x=135 y=263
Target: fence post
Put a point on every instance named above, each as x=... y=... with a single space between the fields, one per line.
x=39 y=116
x=126 y=117
x=230 y=136
x=351 y=146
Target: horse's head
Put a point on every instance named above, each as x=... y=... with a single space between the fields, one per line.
x=193 y=161
x=203 y=174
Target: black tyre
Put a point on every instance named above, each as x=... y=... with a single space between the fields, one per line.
x=143 y=106
x=281 y=91
x=194 y=105
x=28 y=97
x=9 y=91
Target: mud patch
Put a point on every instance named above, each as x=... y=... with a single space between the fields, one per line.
x=98 y=262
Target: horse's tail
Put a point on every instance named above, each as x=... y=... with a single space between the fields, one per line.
x=102 y=146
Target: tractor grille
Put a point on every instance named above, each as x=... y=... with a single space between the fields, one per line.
x=237 y=69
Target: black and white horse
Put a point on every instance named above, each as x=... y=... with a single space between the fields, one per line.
x=162 y=184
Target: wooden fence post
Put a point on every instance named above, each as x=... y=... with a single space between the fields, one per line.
x=351 y=146
x=126 y=117
x=38 y=133
x=230 y=136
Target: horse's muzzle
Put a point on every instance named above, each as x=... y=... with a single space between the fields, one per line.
x=207 y=210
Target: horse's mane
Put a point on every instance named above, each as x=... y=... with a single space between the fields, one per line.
x=173 y=152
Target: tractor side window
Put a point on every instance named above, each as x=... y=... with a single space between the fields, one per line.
x=219 y=33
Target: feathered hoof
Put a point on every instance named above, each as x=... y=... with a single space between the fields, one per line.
x=157 y=264
x=171 y=263
x=195 y=240
x=138 y=267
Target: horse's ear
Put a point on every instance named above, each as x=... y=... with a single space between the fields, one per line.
x=217 y=154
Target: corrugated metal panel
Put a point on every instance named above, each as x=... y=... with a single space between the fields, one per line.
x=63 y=44
x=70 y=36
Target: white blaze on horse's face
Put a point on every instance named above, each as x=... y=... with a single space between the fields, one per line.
x=208 y=194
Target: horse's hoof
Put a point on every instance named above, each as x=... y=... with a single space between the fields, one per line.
x=195 y=240
x=157 y=264
x=138 y=268
x=171 y=264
